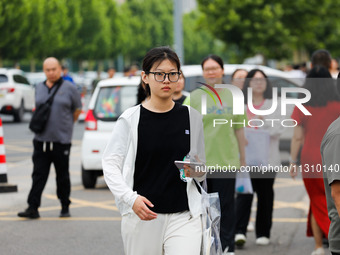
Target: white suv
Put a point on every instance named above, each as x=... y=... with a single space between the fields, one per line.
x=110 y=98
x=16 y=93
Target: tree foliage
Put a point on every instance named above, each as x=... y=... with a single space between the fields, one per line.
x=93 y=37
x=51 y=25
x=273 y=28
x=150 y=24
x=79 y=29
x=103 y=29
x=96 y=30
x=13 y=25
x=198 y=42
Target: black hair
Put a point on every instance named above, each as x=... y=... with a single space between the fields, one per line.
x=238 y=69
x=182 y=74
x=157 y=55
x=321 y=58
x=268 y=93
x=141 y=93
x=213 y=57
x=322 y=89
x=296 y=66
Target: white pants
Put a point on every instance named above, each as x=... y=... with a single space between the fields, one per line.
x=169 y=234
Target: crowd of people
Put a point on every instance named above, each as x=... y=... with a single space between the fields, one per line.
x=226 y=145
x=166 y=125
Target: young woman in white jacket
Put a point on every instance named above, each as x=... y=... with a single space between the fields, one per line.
x=160 y=212
x=262 y=182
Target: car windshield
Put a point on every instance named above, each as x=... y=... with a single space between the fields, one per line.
x=113 y=101
x=3 y=78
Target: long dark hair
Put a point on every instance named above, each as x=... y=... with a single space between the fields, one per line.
x=321 y=58
x=141 y=93
x=213 y=57
x=157 y=55
x=320 y=84
x=268 y=93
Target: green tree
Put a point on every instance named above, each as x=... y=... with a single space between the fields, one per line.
x=115 y=32
x=93 y=37
x=273 y=28
x=314 y=24
x=14 y=28
x=148 y=24
x=51 y=22
x=198 y=42
x=253 y=25
x=71 y=29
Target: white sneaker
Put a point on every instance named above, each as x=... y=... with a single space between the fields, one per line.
x=228 y=253
x=250 y=227
x=240 y=240
x=318 y=251
x=262 y=240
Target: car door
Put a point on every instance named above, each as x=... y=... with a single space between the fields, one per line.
x=26 y=90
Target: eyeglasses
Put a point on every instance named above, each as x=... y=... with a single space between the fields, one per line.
x=258 y=81
x=160 y=76
x=212 y=69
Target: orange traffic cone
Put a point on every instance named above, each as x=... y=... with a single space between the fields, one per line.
x=83 y=113
x=4 y=186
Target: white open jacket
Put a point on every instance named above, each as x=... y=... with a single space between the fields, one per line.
x=120 y=154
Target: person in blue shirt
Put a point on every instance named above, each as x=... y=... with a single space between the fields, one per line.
x=66 y=76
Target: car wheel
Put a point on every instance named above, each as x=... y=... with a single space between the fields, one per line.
x=89 y=178
x=19 y=113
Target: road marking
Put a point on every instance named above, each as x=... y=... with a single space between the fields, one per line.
x=287 y=182
x=20 y=142
x=290 y=220
x=110 y=205
x=85 y=203
x=286 y=220
x=26 y=162
x=301 y=205
x=15 y=148
x=63 y=219
x=279 y=220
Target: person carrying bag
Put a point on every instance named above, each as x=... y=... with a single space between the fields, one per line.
x=42 y=113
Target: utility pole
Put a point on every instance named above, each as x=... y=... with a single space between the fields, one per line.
x=178 y=30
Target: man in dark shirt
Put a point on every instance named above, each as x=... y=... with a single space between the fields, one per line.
x=53 y=144
x=330 y=151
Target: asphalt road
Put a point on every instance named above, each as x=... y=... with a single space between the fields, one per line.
x=94 y=227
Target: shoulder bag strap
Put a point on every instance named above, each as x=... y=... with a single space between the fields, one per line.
x=50 y=99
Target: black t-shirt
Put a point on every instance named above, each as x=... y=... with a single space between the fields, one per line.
x=162 y=139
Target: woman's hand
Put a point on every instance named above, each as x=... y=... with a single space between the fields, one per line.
x=190 y=172
x=293 y=170
x=141 y=209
